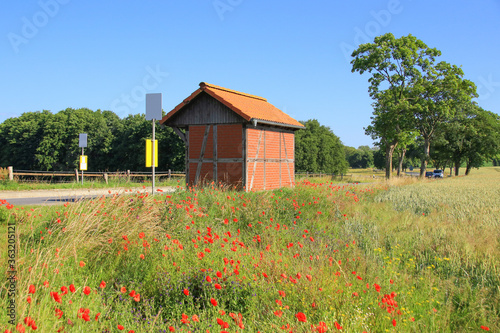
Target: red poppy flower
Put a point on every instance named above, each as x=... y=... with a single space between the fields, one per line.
x=120 y=327
x=217 y=286
x=86 y=290
x=59 y=313
x=31 y=289
x=209 y=279
x=72 y=288
x=186 y=292
x=213 y=301
x=64 y=290
x=485 y=328
x=337 y=325
x=82 y=264
x=141 y=235
x=102 y=285
x=394 y=322
x=301 y=317
x=56 y=296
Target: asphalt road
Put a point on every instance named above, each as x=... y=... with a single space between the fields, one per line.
x=59 y=197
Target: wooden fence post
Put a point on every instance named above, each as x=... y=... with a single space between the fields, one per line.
x=76 y=174
x=105 y=177
x=11 y=173
x=128 y=175
x=169 y=174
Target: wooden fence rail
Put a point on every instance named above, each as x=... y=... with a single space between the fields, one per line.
x=106 y=175
x=169 y=174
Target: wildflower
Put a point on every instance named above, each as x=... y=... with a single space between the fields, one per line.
x=217 y=286
x=171 y=329
x=377 y=287
x=97 y=316
x=485 y=328
x=72 y=288
x=20 y=328
x=86 y=290
x=209 y=279
x=337 y=326
x=120 y=327
x=394 y=322
x=59 y=313
x=195 y=318
x=31 y=289
x=141 y=235
x=185 y=319
x=186 y=292
x=64 y=290
x=213 y=301
x=55 y=296
x=82 y=264
x=301 y=317
x=123 y=290
x=102 y=285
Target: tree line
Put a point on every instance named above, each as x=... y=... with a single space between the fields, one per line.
x=45 y=141
x=418 y=101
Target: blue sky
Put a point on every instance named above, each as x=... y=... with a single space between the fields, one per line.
x=106 y=55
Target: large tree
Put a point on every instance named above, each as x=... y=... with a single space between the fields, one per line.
x=396 y=65
x=318 y=149
x=438 y=97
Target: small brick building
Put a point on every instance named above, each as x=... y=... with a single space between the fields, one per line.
x=235 y=138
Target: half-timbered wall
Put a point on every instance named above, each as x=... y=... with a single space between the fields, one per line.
x=216 y=153
x=270 y=158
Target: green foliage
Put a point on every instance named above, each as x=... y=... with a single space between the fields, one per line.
x=359 y=158
x=46 y=141
x=318 y=149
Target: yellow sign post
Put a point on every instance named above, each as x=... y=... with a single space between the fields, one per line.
x=83 y=162
x=149 y=154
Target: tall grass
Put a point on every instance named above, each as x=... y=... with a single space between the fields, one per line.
x=367 y=257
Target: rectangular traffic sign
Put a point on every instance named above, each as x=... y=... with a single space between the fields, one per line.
x=83 y=162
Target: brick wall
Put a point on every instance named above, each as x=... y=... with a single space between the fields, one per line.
x=274 y=146
x=229 y=145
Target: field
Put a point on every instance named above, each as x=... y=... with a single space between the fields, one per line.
x=403 y=256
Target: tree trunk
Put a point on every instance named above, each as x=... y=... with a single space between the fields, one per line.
x=457 y=167
x=468 y=168
x=389 y=150
x=423 y=166
x=401 y=159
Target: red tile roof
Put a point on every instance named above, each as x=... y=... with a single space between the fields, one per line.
x=248 y=106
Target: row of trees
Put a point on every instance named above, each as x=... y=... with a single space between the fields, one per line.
x=417 y=99
x=46 y=141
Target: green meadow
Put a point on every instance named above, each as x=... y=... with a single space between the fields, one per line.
x=402 y=256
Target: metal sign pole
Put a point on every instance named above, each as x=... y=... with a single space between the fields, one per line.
x=153 y=112
x=153 y=164
x=82 y=169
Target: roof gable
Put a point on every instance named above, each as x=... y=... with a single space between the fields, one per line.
x=249 y=107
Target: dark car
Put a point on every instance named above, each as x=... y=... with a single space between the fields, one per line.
x=429 y=174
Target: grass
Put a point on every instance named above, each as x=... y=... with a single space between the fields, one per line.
x=368 y=257
x=16 y=185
